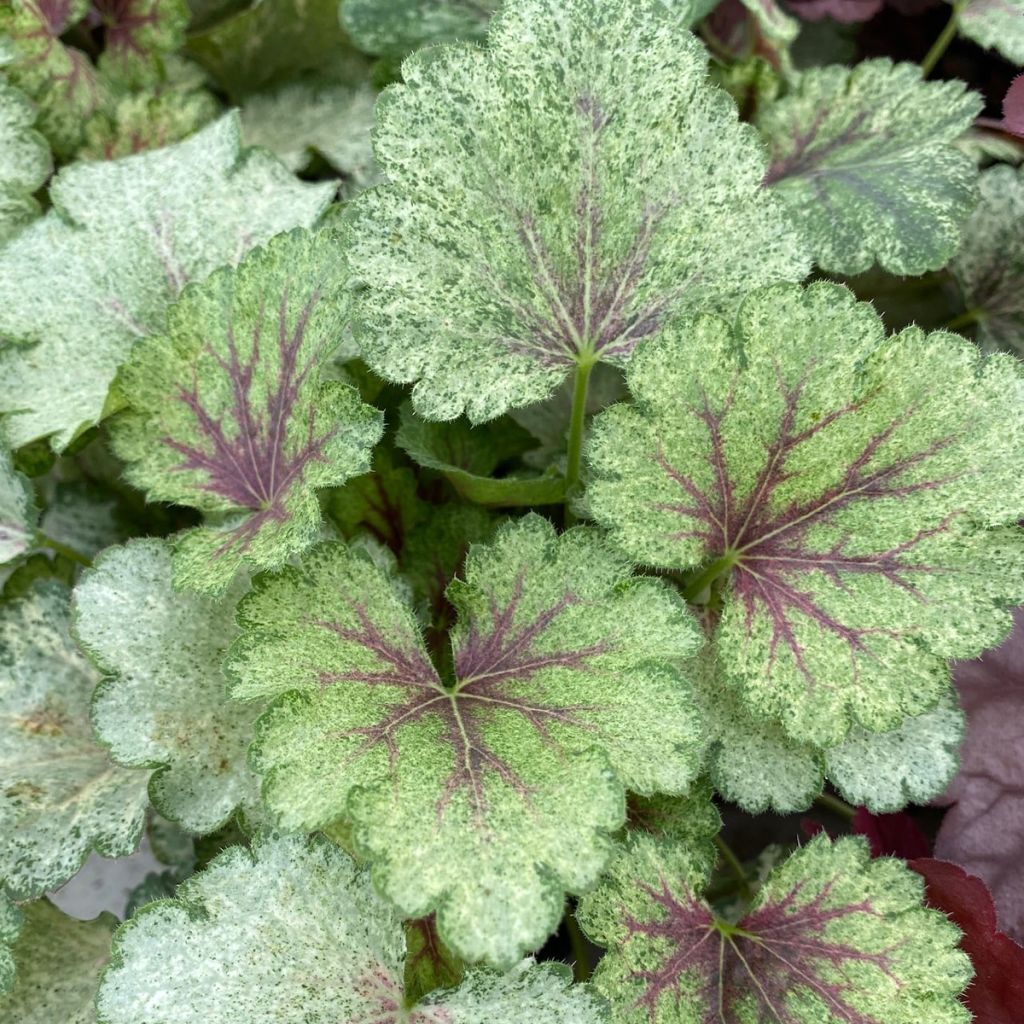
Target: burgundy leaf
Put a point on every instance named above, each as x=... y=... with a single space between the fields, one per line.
x=846 y=11
x=1012 y=120
x=891 y=835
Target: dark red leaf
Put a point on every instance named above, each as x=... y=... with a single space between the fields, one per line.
x=891 y=835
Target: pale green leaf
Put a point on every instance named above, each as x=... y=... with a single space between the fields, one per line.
x=552 y=200
x=59 y=964
x=18 y=513
x=227 y=411
x=81 y=285
x=11 y=921
x=302 y=119
x=864 y=158
x=60 y=795
x=844 y=497
x=391 y=28
x=832 y=937
x=294 y=933
x=484 y=792
x=990 y=264
x=996 y=24
x=165 y=703
x=24 y=160
x=911 y=764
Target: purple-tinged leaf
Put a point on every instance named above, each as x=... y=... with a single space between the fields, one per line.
x=848 y=12
x=227 y=411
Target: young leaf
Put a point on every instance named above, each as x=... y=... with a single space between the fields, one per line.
x=293 y=933
x=60 y=796
x=59 y=963
x=302 y=119
x=833 y=937
x=485 y=795
x=81 y=285
x=913 y=763
x=984 y=828
x=11 y=921
x=18 y=513
x=990 y=264
x=997 y=992
x=998 y=24
x=864 y=159
x=227 y=411
x=391 y=28
x=24 y=160
x=513 y=241
x=137 y=35
x=165 y=702
x=842 y=492
x=59 y=79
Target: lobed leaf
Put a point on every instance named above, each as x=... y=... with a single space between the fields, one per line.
x=833 y=937
x=864 y=159
x=59 y=963
x=514 y=240
x=165 y=703
x=137 y=36
x=998 y=24
x=24 y=160
x=293 y=933
x=80 y=286
x=228 y=411
x=484 y=793
x=846 y=508
x=60 y=796
x=392 y=28
x=990 y=264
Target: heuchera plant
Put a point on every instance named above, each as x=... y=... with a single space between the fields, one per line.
x=514 y=508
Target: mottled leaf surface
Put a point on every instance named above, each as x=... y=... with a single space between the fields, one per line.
x=60 y=79
x=841 y=492
x=690 y=821
x=301 y=120
x=137 y=35
x=990 y=264
x=165 y=702
x=984 y=828
x=832 y=937
x=60 y=795
x=996 y=24
x=81 y=285
x=59 y=963
x=513 y=240
x=293 y=933
x=11 y=921
x=485 y=792
x=228 y=412
x=864 y=160
x=391 y=28
x=24 y=160
x=18 y=513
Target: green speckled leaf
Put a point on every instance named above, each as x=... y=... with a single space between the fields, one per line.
x=302 y=119
x=136 y=122
x=832 y=937
x=912 y=764
x=60 y=960
x=293 y=933
x=990 y=264
x=486 y=792
x=11 y=921
x=81 y=285
x=228 y=412
x=515 y=239
x=18 y=513
x=137 y=35
x=165 y=703
x=391 y=28
x=864 y=160
x=690 y=821
x=60 y=79
x=844 y=492
x=998 y=24
x=60 y=796
x=429 y=963
x=24 y=160
x=272 y=41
